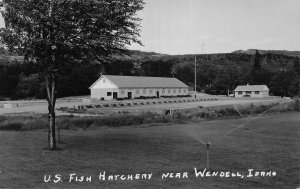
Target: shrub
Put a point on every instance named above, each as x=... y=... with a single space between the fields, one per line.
x=65 y=122
x=34 y=124
x=11 y=125
x=21 y=123
x=2 y=98
x=297 y=105
x=2 y=118
x=145 y=97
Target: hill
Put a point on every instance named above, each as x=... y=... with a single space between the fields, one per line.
x=283 y=52
x=216 y=73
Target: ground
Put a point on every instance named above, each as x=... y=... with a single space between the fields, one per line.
x=264 y=142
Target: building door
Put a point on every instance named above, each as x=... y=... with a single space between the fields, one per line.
x=115 y=95
x=129 y=95
x=157 y=94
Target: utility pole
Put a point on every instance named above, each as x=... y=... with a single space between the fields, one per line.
x=195 y=77
x=173 y=72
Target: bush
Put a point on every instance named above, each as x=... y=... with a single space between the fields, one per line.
x=2 y=118
x=2 y=98
x=34 y=124
x=11 y=125
x=297 y=105
x=22 y=123
x=146 y=97
x=66 y=122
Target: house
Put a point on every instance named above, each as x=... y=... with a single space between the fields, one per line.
x=109 y=87
x=251 y=91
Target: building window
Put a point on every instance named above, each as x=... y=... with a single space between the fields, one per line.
x=169 y=91
x=174 y=90
x=248 y=92
x=144 y=91
x=137 y=91
x=163 y=91
x=108 y=93
x=184 y=90
x=122 y=91
x=150 y=91
x=179 y=90
x=256 y=92
x=103 y=80
x=240 y=92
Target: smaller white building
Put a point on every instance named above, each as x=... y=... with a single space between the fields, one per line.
x=251 y=91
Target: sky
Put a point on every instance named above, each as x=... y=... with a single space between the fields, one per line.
x=182 y=26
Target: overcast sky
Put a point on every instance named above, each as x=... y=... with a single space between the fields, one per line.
x=181 y=26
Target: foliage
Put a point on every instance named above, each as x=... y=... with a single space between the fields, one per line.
x=27 y=85
x=215 y=73
x=22 y=123
x=256 y=64
x=71 y=30
x=297 y=65
x=52 y=33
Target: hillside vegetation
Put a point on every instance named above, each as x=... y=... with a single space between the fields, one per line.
x=283 y=52
x=216 y=73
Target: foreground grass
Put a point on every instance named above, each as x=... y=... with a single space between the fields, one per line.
x=267 y=142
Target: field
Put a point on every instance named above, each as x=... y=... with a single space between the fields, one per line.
x=262 y=142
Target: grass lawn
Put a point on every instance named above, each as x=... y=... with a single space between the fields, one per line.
x=269 y=142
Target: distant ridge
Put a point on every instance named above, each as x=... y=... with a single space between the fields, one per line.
x=252 y=51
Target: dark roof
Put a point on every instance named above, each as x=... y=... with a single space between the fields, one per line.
x=144 y=82
x=251 y=88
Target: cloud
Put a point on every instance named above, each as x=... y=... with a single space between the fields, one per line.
x=203 y=37
x=266 y=41
x=223 y=40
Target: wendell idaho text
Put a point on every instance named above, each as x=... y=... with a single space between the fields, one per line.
x=105 y=176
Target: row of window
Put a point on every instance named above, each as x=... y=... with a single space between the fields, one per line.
x=144 y=91
x=248 y=92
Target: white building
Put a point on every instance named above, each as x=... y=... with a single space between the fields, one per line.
x=251 y=91
x=109 y=87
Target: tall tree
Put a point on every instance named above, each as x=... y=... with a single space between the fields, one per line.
x=297 y=65
x=256 y=63
x=53 y=32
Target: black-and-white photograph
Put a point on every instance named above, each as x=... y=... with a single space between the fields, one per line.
x=150 y=94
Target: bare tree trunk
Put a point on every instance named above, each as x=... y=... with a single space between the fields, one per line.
x=50 y=86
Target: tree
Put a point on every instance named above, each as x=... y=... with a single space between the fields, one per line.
x=285 y=83
x=297 y=65
x=227 y=79
x=258 y=75
x=256 y=64
x=28 y=86
x=53 y=32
